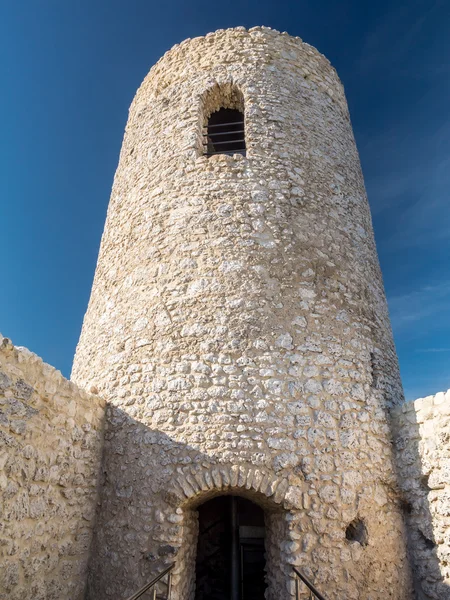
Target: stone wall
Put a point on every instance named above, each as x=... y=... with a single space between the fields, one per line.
x=239 y=330
x=422 y=437
x=50 y=449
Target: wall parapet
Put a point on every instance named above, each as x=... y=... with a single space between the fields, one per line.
x=51 y=435
x=421 y=431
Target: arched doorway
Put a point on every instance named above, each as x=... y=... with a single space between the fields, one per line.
x=230 y=560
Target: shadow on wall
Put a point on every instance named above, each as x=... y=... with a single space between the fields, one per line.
x=421 y=431
x=147 y=518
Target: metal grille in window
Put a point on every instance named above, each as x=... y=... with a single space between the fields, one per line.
x=225 y=133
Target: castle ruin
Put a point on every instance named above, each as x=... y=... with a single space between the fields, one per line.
x=236 y=406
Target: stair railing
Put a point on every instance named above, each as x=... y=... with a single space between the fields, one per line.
x=152 y=584
x=313 y=591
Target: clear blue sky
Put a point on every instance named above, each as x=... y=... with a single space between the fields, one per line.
x=69 y=71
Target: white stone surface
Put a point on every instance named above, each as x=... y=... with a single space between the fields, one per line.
x=51 y=436
x=238 y=328
x=421 y=432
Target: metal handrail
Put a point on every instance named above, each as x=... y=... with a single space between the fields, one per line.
x=308 y=584
x=153 y=582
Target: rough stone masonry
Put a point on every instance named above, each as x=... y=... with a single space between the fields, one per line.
x=421 y=431
x=239 y=334
x=239 y=330
x=51 y=435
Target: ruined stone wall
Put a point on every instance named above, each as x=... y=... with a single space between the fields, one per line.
x=50 y=448
x=238 y=328
x=422 y=437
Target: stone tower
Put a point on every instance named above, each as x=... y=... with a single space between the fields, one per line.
x=238 y=328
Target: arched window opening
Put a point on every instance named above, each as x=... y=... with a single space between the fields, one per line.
x=225 y=133
x=230 y=550
x=222 y=119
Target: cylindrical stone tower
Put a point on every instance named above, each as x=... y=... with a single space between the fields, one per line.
x=239 y=330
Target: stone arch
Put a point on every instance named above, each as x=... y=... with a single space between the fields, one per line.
x=225 y=94
x=196 y=485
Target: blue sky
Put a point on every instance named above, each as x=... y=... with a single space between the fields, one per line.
x=69 y=72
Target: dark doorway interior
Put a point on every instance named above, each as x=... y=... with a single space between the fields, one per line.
x=230 y=550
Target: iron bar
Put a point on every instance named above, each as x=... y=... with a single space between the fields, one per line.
x=209 y=134
x=212 y=139
x=234 y=550
x=228 y=142
x=224 y=124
